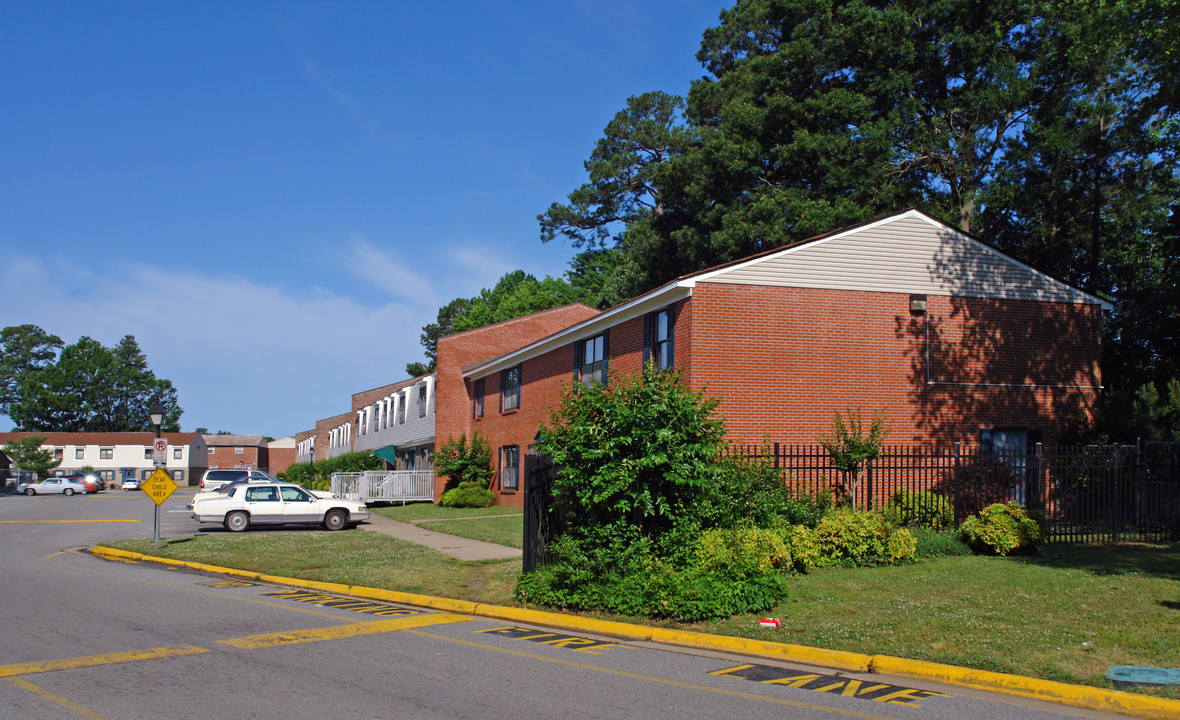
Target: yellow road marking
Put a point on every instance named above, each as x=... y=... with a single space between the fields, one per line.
x=254 y=642
x=159 y=653
x=57 y=699
x=238 y=598
x=662 y=681
x=47 y=522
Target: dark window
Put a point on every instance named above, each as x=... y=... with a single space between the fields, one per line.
x=592 y=359
x=401 y=409
x=659 y=340
x=509 y=467
x=510 y=389
x=422 y=401
x=106 y=453
x=477 y=399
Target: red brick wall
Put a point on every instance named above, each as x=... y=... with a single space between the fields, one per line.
x=225 y=457
x=452 y=405
x=785 y=359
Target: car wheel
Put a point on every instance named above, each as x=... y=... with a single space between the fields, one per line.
x=237 y=521
x=68 y=491
x=335 y=520
x=30 y=491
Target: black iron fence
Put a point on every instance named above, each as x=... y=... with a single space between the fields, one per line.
x=1089 y=493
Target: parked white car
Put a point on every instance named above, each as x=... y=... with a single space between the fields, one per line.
x=276 y=503
x=216 y=478
x=52 y=486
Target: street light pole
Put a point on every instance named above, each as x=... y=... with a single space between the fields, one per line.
x=156 y=413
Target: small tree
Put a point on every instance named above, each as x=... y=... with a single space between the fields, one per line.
x=850 y=448
x=27 y=454
x=460 y=463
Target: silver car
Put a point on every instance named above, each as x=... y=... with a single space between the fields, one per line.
x=53 y=486
x=275 y=503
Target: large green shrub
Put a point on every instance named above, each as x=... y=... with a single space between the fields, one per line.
x=461 y=463
x=854 y=537
x=919 y=509
x=803 y=545
x=1004 y=528
x=646 y=495
x=467 y=494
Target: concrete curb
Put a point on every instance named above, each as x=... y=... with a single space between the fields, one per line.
x=1081 y=696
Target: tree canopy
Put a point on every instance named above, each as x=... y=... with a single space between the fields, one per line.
x=1047 y=128
x=88 y=388
x=517 y=293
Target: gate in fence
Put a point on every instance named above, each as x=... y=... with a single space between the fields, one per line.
x=541 y=522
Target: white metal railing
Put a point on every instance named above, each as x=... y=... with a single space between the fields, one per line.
x=384 y=485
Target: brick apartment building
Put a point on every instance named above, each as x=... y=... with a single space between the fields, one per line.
x=946 y=336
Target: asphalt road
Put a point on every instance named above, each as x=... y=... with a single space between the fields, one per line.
x=93 y=638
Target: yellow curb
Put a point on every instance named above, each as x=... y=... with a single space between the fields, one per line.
x=1144 y=706
x=1082 y=696
x=404 y=598
x=627 y=631
x=837 y=659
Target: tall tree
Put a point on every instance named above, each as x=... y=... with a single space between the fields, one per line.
x=92 y=388
x=24 y=351
x=1048 y=127
x=517 y=293
x=28 y=454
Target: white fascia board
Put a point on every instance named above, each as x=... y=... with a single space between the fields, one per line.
x=660 y=297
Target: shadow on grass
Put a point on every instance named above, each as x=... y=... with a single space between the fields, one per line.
x=1154 y=560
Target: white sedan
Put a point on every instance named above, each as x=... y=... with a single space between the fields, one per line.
x=276 y=503
x=53 y=485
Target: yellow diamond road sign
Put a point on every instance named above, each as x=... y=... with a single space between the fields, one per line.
x=159 y=486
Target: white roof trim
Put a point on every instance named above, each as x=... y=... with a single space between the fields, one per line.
x=654 y=300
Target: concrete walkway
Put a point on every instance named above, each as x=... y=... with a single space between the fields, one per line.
x=453 y=545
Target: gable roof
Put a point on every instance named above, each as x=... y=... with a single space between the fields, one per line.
x=907 y=252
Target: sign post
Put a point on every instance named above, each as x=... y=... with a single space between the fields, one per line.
x=159 y=487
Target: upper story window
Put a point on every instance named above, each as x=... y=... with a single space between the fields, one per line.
x=510 y=389
x=177 y=453
x=106 y=453
x=59 y=454
x=592 y=359
x=659 y=342
x=238 y=450
x=477 y=399
x=422 y=401
x=79 y=453
x=401 y=409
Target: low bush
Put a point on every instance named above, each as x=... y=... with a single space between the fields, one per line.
x=742 y=552
x=1003 y=529
x=803 y=545
x=467 y=495
x=940 y=543
x=979 y=481
x=623 y=575
x=919 y=509
x=851 y=537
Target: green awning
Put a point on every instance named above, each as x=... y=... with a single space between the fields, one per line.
x=387 y=453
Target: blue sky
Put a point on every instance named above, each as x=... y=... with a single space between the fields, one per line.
x=275 y=197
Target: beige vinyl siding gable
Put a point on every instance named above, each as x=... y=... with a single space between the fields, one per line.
x=907 y=253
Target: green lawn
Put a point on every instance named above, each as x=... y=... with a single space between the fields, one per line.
x=1067 y=613
x=503 y=526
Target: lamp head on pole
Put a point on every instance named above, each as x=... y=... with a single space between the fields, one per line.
x=156 y=413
